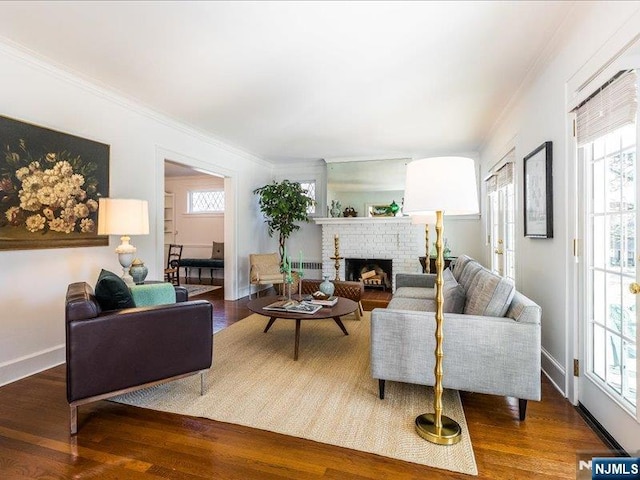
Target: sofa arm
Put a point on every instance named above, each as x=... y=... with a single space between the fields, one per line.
x=425 y=280
x=125 y=348
x=493 y=355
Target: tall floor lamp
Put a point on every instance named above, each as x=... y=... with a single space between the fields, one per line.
x=441 y=185
x=123 y=216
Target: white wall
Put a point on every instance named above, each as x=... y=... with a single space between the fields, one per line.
x=34 y=282
x=540 y=114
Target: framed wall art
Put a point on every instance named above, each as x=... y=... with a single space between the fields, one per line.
x=538 y=193
x=50 y=183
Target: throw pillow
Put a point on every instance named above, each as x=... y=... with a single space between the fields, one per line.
x=453 y=293
x=489 y=294
x=217 y=252
x=459 y=264
x=112 y=293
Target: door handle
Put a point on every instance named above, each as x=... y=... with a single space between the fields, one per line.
x=634 y=288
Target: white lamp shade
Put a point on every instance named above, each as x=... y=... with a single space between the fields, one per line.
x=423 y=219
x=118 y=216
x=446 y=184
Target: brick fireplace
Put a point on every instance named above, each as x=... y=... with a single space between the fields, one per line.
x=386 y=238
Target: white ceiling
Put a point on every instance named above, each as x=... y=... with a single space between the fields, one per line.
x=295 y=81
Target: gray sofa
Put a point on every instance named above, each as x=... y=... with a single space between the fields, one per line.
x=491 y=334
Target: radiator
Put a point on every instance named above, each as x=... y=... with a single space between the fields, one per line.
x=311 y=269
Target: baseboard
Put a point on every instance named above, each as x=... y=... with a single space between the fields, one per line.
x=31 y=364
x=554 y=371
x=600 y=430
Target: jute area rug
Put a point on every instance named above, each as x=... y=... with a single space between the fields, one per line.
x=327 y=396
x=194 y=289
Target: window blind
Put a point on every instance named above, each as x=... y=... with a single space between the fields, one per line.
x=492 y=184
x=614 y=106
x=504 y=175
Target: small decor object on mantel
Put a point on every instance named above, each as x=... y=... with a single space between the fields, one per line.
x=393 y=208
x=378 y=211
x=336 y=208
x=350 y=212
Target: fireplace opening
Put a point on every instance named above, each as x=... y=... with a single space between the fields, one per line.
x=373 y=272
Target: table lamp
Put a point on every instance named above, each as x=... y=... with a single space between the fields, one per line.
x=444 y=185
x=118 y=216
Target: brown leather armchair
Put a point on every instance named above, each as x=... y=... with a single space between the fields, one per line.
x=117 y=351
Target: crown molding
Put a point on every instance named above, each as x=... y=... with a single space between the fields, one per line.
x=97 y=88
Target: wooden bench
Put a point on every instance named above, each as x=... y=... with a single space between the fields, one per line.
x=200 y=263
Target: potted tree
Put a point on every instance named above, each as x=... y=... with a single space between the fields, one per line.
x=283 y=204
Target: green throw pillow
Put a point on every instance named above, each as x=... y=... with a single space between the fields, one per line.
x=153 y=294
x=112 y=293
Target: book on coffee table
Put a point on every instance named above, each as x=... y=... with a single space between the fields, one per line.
x=293 y=306
x=327 y=302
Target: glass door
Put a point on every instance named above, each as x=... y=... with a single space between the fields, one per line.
x=497 y=250
x=608 y=385
x=502 y=222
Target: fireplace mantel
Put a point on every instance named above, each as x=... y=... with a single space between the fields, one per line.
x=360 y=220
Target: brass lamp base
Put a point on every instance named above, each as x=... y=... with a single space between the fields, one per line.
x=449 y=434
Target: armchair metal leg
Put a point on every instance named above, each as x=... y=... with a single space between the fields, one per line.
x=73 y=419
x=202 y=383
x=381 y=389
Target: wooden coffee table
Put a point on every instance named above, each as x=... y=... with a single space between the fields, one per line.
x=343 y=307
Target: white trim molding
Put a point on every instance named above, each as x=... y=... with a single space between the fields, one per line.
x=31 y=364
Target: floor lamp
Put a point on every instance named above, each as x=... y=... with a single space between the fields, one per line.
x=441 y=185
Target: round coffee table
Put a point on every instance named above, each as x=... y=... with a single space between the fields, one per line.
x=343 y=307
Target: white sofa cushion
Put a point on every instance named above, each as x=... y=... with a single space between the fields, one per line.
x=423 y=299
x=415 y=292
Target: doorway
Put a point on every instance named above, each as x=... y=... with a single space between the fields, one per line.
x=197 y=213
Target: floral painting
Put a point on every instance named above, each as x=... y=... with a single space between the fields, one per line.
x=50 y=183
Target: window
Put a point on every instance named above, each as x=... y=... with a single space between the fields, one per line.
x=206 y=201
x=310 y=187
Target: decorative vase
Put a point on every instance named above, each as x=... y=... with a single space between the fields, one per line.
x=393 y=208
x=327 y=287
x=336 y=208
x=138 y=271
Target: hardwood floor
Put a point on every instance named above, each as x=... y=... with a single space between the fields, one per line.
x=121 y=442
